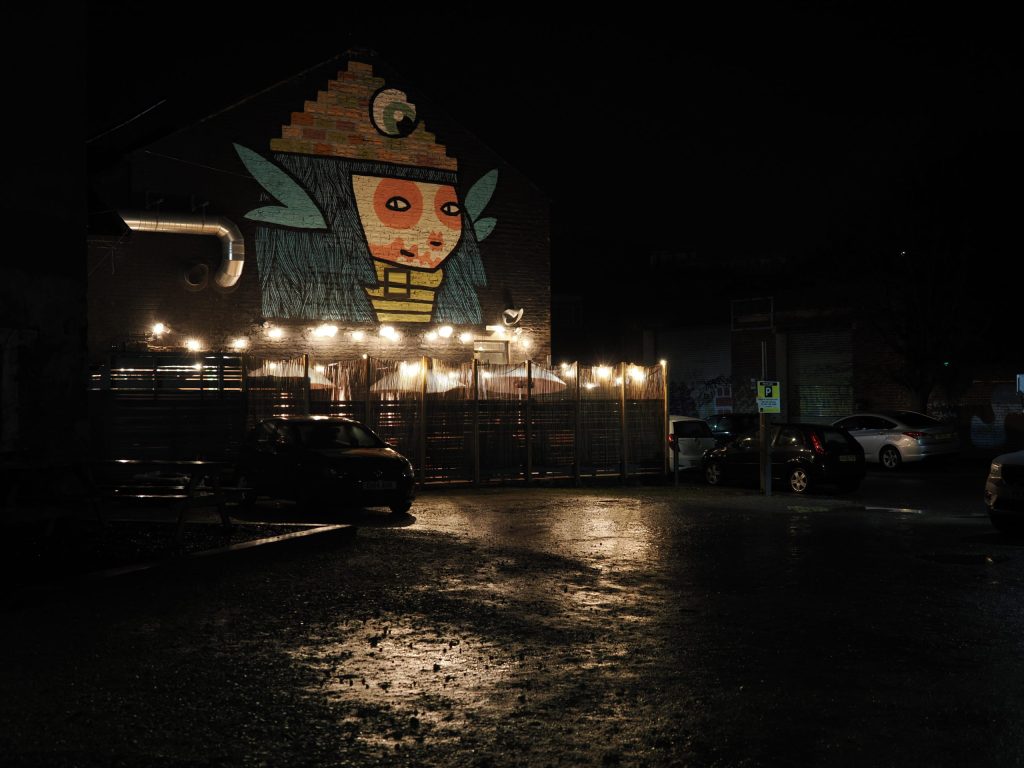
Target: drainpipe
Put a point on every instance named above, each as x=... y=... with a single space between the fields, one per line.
x=232 y=243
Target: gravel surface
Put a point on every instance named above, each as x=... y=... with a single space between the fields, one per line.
x=628 y=627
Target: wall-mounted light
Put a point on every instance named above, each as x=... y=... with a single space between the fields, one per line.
x=445 y=331
x=358 y=335
x=159 y=329
x=193 y=345
x=635 y=374
x=320 y=368
x=431 y=336
x=239 y=343
x=275 y=332
x=325 y=331
x=389 y=333
x=465 y=337
x=602 y=372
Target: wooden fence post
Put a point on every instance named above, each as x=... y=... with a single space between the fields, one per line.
x=422 y=447
x=622 y=420
x=528 y=418
x=577 y=429
x=476 y=422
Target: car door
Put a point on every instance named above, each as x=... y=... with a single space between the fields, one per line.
x=744 y=458
x=787 y=446
x=874 y=433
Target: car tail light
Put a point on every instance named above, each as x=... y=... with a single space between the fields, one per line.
x=915 y=435
x=816 y=443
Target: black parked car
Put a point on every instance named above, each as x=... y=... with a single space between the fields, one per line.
x=802 y=456
x=327 y=461
x=728 y=426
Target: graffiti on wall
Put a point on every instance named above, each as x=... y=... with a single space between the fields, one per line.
x=362 y=220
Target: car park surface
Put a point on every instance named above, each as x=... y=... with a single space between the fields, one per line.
x=803 y=456
x=517 y=626
x=892 y=438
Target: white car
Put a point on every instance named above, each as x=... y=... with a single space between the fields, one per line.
x=689 y=437
x=1004 y=492
x=891 y=438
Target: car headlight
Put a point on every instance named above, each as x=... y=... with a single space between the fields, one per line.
x=995 y=472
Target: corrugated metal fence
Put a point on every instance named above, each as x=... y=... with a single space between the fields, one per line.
x=462 y=423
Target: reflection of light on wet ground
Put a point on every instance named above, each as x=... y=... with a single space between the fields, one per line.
x=616 y=533
x=569 y=590
x=431 y=685
x=899 y=510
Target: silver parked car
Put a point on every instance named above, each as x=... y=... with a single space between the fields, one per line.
x=1004 y=492
x=891 y=438
x=689 y=438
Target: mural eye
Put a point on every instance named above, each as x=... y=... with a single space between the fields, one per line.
x=397 y=203
x=451 y=208
x=392 y=113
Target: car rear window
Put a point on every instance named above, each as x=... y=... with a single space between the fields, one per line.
x=692 y=429
x=912 y=419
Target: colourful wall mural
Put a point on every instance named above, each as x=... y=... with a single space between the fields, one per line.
x=362 y=220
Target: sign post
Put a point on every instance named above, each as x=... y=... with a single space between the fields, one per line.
x=769 y=399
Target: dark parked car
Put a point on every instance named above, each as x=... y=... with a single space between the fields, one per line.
x=1004 y=492
x=728 y=426
x=802 y=457
x=329 y=461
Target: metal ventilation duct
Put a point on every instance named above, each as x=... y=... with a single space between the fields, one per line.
x=232 y=243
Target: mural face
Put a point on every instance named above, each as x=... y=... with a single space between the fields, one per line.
x=408 y=222
x=364 y=222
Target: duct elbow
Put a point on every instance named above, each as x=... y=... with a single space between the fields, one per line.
x=232 y=243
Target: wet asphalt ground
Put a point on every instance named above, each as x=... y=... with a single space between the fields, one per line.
x=621 y=625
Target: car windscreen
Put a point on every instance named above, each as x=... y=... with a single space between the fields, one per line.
x=336 y=435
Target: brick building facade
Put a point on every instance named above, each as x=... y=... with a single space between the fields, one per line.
x=335 y=215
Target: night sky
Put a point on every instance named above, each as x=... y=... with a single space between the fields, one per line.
x=824 y=135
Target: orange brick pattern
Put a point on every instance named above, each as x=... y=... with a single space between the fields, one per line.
x=338 y=124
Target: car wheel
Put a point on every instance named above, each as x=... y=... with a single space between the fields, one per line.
x=890 y=458
x=401 y=507
x=799 y=480
x=713 y=473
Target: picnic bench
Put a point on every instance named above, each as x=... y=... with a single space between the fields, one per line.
x=184 y=484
